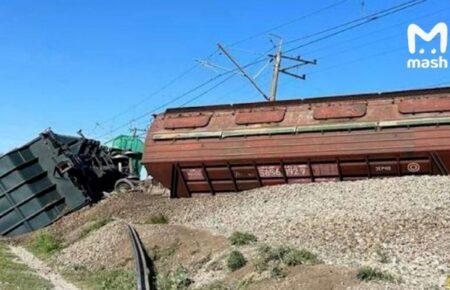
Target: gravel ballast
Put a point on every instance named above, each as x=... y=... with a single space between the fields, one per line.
x=397 y=225
x=400 y=225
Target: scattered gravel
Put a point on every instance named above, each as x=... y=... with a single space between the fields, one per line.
x=97 y=250
x=400 y=225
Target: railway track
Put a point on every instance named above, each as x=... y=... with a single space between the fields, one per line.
x=140 y=258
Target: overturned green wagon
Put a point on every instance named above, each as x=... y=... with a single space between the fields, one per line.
x=49 y=177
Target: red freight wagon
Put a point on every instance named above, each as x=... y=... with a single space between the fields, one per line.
x=226 y=148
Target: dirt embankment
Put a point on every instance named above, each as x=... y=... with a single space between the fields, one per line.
x=399 y=225
x=202 y=254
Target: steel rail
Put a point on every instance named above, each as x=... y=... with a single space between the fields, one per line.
x=140 y=259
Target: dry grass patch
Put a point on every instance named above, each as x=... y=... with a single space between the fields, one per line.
x=372 y=274
x=241 y=238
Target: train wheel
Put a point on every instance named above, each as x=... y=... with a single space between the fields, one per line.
x=123 y=185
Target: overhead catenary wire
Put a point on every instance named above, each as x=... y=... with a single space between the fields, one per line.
x=368 y=19
x=159 y=90
x=287 y=23
x=207 y=91
x=190 y=69
x=144 y=115
x=161 y=106
x=364 y=44
x=371 y=18
x=256 y=76
x=234 y=90
x=382 y=53
x=192 y=99
x=345 y=27
x=354 y=21
x=350 y=40
x=363 y=20
x=352 y=61
x=357 y=22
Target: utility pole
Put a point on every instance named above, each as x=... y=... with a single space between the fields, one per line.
x=134 y=132
x=286 y=70
x=277 y=69
x=276 y=72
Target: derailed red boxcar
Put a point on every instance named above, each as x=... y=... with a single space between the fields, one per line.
x=226 y=148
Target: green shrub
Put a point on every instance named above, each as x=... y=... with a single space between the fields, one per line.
x=277 y=272
x=282 y=254
x=240 y=238
x=44 y=244
x=216 y=286
x=264 y=251
x=260 y=264
x=296 y=257
x=278 y=253
x=176 y=280
x=158 y=220
x=236 y=260
x=370 y=274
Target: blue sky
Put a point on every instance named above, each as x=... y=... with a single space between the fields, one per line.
x=86 y=64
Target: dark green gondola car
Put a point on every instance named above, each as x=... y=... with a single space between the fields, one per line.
x=51 y=176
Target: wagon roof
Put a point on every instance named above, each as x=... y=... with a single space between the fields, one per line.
x=362 y=96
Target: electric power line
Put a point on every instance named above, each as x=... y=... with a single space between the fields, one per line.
x=171 y=82
x=364 y=44
x=207 y=91
x=367 y=19
x=349 y=40
x=257 y=75
x=381 y=53
x=352 y=61
x=318 y=11
x=162 y=106
x=176 y=99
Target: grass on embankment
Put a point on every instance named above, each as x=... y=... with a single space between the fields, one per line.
x=105 y=279
x=17 y=276
x=46 y=244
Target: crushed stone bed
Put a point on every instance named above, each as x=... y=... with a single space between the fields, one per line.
x=97 y=250
x=401 y=225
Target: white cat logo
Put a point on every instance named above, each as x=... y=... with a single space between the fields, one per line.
x=414 y=30
x=423 y=62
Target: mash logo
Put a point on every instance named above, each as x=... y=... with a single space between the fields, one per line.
x=415 y=32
